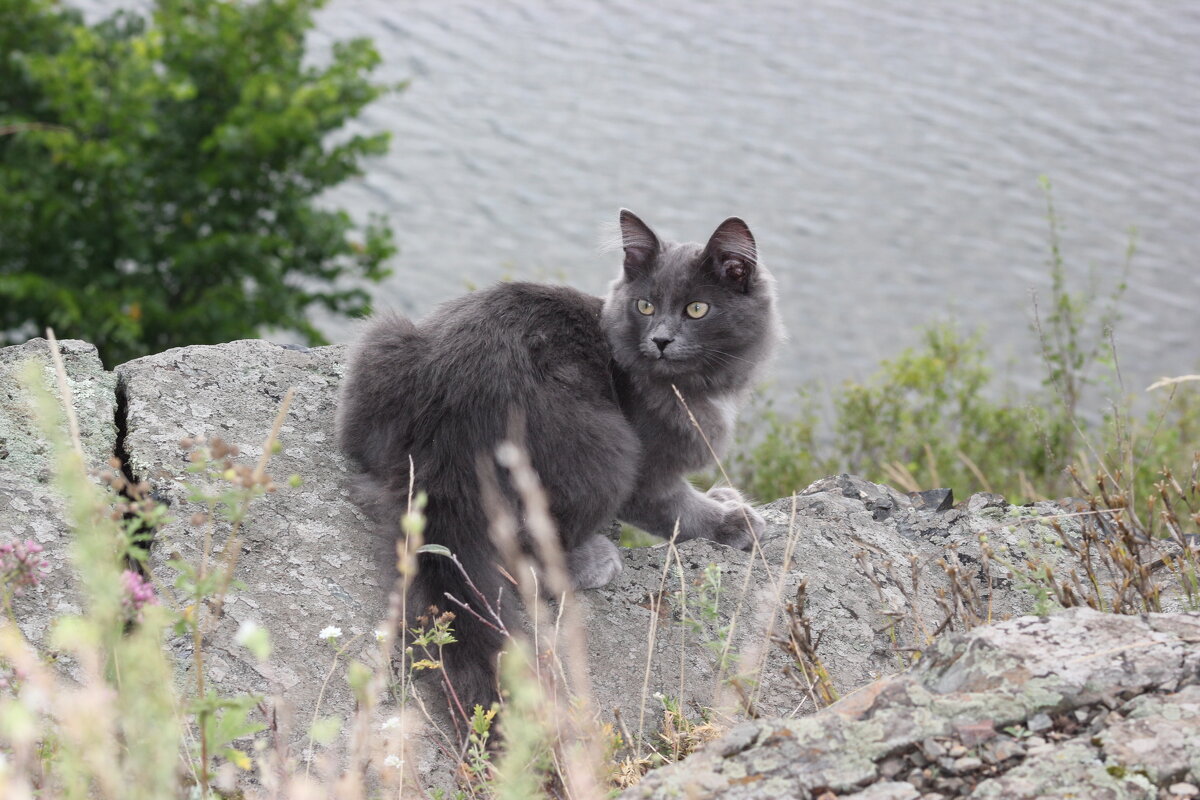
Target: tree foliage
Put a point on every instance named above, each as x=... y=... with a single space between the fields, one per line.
x=158 y=177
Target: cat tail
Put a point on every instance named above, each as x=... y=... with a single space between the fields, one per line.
x=479 y=627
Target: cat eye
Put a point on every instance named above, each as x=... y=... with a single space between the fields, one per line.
x=697 y=309
x=645 y=307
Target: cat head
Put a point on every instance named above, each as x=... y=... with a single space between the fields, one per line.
x=691 y=314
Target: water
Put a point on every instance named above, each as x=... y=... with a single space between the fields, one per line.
x=886 y=156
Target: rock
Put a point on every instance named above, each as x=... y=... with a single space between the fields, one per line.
x=933 y=749
x=972 y=733
x=1039 y=722
x=881 y=501
x=1073 y=770
x=871 y=561
x=1001 y=749
x=981 y=500
x=967 y=764
x=31 y=508
x=1159 y=737
x=1007 y=672
x=308 y=559
x=684 y=662
x=936 y=500
x=888 y=790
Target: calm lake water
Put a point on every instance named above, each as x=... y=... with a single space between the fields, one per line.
x=886 y=156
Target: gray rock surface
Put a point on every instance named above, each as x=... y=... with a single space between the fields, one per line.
x=30 y=505
x=1121 y=691
x=855 y=543
x=873 y=562
x=308 y=559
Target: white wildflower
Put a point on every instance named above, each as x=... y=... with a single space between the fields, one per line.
x=330 y=633
x=389 y=723
x=379 y=635
x=246 y=631
x=393 y=761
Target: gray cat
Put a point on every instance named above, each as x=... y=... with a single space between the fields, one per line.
x=593 y=382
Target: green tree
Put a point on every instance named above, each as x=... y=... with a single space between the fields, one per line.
x=158 y=177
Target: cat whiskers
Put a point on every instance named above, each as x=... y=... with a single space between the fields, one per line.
x=723 y=357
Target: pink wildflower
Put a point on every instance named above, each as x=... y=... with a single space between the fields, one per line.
x=21 y=565
x=138 y=592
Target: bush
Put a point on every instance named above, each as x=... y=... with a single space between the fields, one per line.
x=160 y=175
x=924 y=419
x=933 y=416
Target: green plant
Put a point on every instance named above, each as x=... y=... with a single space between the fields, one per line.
x=701 y=613
x=160 y=175
x=784 y=453
x=925 y=419
x=1076 y=329
x=933 y=416
x=114 y=732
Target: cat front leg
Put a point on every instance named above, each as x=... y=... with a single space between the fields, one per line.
x=721 y=515
x=741 y=522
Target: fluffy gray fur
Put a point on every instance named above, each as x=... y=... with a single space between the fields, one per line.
x=593 y=382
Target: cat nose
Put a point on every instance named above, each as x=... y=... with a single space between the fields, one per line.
x=662 y=342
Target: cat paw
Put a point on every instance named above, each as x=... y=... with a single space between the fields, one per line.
x=741 y=526
x=593 y=563
x=725 y=494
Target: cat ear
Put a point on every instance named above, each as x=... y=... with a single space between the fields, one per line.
x=732 y=252
x=638 y=240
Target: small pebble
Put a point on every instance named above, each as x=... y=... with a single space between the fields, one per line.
x=933 y=748
x=972 y=733
x=957 y=751
x=1040 y=722
x=1184 y=789
x=1005 y=749
x=952 y=785
x=967 y=764
x=1034 y=741
x=891 y=768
